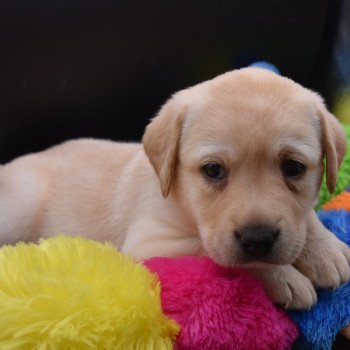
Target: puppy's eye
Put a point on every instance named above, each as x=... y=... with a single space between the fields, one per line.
x=292 y=168
x=214 y=171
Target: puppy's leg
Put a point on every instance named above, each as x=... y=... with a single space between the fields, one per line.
x=146 y=241
x=325 y=259
x=22 y=189
x=285 y=285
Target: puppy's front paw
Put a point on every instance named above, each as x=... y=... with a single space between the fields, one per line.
x=286 y=286
x=291 y=289
x=326 y=264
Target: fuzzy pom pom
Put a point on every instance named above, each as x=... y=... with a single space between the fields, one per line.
x=342 y=201
x=71 y=293
x=220 y=308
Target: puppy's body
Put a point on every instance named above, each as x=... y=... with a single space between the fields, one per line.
x=229 y=168
x=97 y=189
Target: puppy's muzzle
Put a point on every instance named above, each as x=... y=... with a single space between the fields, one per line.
x=258 y=240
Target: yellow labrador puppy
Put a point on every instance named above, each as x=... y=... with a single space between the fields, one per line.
x=229 y=168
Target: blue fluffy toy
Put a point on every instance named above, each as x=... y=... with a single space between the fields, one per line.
x=320 y=326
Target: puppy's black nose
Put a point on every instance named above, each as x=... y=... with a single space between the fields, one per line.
x=257 y=240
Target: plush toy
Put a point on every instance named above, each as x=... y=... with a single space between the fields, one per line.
x=339 y=202
x=320 y=325
x=220 y=308
x=71 y=293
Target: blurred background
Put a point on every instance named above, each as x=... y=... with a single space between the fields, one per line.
x=103 y=68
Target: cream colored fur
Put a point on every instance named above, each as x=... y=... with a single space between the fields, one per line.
x=154 y=200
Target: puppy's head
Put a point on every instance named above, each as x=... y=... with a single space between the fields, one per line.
x=244 y=155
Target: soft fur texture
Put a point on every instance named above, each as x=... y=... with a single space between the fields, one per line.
x=155 y=199
x=71 y=293
x=220 y=308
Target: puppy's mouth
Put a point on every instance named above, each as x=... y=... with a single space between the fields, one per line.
x=271 y=258
x=244 y=250
x=253 y=244
x=236 y=256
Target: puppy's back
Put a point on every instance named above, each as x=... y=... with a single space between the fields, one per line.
x=66 y=188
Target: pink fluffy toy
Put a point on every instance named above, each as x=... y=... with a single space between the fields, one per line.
x=220 y=308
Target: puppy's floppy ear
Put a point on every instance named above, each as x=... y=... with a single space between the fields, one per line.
x=161 y=141
x=333 y=142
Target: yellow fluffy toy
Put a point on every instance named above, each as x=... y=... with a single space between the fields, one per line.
x=71 y=293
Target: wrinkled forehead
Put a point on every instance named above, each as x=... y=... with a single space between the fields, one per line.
x=259 y=120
